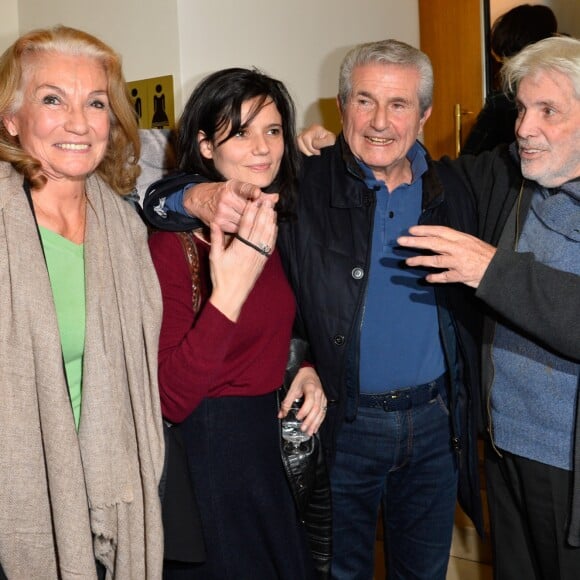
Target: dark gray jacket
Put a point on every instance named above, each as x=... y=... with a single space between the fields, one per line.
x=542 y=302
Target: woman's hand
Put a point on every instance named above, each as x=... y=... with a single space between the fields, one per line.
x=236 y=264
x=313 y=411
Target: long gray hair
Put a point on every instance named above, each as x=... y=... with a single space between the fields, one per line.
x=559 y=53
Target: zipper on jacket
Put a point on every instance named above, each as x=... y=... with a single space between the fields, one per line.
x=455 y=438
x=491 y=342
x=488 y=397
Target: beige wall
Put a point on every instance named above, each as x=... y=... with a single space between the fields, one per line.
x=8 y=22
x=299 y=41
x=144 y=32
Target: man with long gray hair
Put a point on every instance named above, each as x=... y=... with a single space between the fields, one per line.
x=527 y=274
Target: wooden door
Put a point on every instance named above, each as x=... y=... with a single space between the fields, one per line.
x=451 y=34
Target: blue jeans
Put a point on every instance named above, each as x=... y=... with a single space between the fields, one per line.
x=403 y=461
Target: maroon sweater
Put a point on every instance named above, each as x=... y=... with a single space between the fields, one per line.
x=208 y=355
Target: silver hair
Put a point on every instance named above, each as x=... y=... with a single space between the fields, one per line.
x=559 y=53
x=387 y=52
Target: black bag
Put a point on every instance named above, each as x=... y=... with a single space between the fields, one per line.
x=308 y=477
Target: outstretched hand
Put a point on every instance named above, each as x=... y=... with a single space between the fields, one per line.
x=236 y=264
x=223 y=203
x=460 y=257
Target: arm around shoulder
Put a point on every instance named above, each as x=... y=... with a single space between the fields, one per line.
x=162 y=206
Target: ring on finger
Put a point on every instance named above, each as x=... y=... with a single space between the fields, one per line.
x=261 y=248
x=266 y=249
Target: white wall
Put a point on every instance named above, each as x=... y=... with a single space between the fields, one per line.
x=8 y=23
x=144 y=32
x=299 y=41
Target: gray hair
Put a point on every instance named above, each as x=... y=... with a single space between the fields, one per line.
x=560 y=53
x=387 y=52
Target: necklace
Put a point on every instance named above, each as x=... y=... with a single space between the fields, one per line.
x=77 y=237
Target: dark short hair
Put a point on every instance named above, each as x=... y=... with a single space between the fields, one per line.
x=521 y=26
x=215 y=103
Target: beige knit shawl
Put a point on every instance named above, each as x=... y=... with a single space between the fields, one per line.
x=68 y=499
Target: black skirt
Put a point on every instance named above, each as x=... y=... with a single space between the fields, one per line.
x=249 y=519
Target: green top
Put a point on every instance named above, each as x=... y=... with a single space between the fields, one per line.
x=66 y=268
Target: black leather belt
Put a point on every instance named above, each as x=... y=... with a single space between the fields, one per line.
x=403 y=399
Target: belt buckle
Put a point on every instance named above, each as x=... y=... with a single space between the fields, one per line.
x=391 y=398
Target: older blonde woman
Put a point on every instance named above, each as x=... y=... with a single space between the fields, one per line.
x=80 y=423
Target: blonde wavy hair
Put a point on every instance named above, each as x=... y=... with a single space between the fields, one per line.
x=119 y=167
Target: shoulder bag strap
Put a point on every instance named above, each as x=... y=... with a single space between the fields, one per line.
x=192 y=257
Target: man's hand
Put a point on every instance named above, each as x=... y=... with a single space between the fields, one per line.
x=313 y=139
x=461 y=257
x=222 y=203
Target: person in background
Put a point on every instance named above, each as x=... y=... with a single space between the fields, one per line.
x=394 y=359
x=512 y=31
x=225 y=338
x=526 y=272
x=80 y=309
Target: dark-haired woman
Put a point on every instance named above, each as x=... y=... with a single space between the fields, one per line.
x=228 y=314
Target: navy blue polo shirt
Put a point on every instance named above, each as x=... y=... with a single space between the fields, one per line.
x=400 y=344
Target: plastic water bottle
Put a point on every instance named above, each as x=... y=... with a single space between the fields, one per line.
x=291 y=432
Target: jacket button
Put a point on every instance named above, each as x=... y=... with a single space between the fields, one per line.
x=338 y=340
x=357 y=273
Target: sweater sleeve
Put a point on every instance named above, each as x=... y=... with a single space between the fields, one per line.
x=540 y=300
x=162 y=204
x=192 y=348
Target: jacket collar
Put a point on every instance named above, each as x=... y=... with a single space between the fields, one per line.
x=432 y=186
x=353 y=192
x=347 y=183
